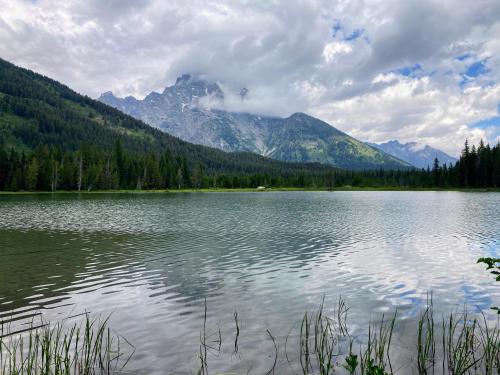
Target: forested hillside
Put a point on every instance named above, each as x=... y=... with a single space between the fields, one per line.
x=52 y=137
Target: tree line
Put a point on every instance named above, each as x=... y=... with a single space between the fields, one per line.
x=50 y=168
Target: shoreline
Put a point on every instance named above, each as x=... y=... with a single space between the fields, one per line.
x=254 y=190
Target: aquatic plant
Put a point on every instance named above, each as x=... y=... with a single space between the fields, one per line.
x=85 y=348
x=458 y=344
x=426 y=342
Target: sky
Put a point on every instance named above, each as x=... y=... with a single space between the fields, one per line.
x=412 y=70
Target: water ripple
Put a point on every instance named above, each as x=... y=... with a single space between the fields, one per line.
x=151 y=260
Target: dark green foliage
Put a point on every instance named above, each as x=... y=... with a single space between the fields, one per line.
x=492 y=264
x=479 y=167
x=351 y=363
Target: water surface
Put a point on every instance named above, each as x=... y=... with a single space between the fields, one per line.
x=152 y=259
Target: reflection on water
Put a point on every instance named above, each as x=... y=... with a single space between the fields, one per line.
x=151 y=260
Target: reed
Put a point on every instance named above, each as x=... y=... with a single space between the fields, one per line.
x=426 y=342
x=490 y=342
x=462 y=343
x=457 y=344
x=88 y=348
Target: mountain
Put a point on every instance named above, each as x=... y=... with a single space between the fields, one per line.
x=416 y=154
x=188 y=110
x=38 y=114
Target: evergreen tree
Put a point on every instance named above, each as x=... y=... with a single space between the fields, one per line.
x=179 y=178
x=32 y=175
x=436 y=171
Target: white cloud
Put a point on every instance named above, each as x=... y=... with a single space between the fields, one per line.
x=339 y=60
x=416 y=109
x=385 y=78
x=331 y=50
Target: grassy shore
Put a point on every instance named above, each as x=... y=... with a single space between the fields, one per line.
x=251 y=190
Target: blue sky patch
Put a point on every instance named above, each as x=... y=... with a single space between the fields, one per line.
x=492 y=124
x=463 y=57
x=409 y=71
x=476 y=69
x=336 y=28
x=488 y=123
x=354 y=35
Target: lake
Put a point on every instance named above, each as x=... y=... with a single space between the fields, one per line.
x=151 y=260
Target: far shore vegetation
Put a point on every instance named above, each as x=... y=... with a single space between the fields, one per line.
x=88 y=169
x=256 y=190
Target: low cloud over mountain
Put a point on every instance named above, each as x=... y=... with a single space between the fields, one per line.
x=195 y=110
x=427 y=71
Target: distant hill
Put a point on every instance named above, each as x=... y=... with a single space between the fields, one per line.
x=186 y=110
x=416 y=154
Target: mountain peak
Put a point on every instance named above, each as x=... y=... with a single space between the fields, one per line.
x=193 y=86
x=243 y=93
x=299 y=115
x=183 y=79
x=415 y=153
x=107 y=94
x=188 y=79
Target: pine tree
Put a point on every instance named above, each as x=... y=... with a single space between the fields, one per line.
x=436 y=171
x=197 y=176
x=80 y=172
x=179 y=179
x=55 y=176
x=32 y=175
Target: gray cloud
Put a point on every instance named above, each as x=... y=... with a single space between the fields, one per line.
x=293 y=56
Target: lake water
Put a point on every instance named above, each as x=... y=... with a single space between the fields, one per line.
x=151 y=260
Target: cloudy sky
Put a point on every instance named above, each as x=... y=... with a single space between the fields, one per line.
x=413 y=70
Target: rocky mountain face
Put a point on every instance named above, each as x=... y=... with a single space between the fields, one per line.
x=416 y=154
x=187 y=110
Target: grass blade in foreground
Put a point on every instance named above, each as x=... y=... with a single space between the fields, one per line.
x=88 y=348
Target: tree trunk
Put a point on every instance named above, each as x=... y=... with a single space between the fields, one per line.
x=80 y=170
